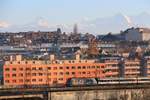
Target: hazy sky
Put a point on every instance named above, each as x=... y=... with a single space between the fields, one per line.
x=20 y=12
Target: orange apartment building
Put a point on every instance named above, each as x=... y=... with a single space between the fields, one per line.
x=146 y=66
x=52 y=71
x=132 y=68
x=112 y=69
x=123 y=68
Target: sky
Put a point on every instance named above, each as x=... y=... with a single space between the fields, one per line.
x=14 y=13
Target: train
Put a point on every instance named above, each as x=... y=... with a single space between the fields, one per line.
x=76 y=82
x=81 y=82
x=106 y=81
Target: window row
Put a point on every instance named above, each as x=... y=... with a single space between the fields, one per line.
x=74 y=67
x=54 y=68
x=27 y=74
x=21 y=80
x=49 y=74
x=57 y=62
x=34 y=80
x=26 y=62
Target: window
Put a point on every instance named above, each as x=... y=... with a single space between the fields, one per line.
x=114 y=65
x=69 y=61
x=40 y=80
x=67 y=73
x=67 y=67
x=20 y=80
x=14 y=69
x=19 y=62
x=83 y=72
x=61 y=73
x=88 y=67
x=49 y=68
x=83 y=67
x=6 y=69
x=27 y=69
x=93 y=66
x=7 y=75
x=26 y=62
x=55 y=68
x=28 y=74
x=20 y=74
x=21 y=69
x=79 y=67
x=33 y=80
x=98 y=66
x=13 y=75
x=14 y=81
x=102 y=66
x=40 y=74
x=27 y=80
x=49 y=74
x=61 y=79
x=34 y=68
x=73 y=73
x=73 y=67
x=60 y=67
x=33 y=74
x=40 y=68
x=114 y=70
x=7 y=81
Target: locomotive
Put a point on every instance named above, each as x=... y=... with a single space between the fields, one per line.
x=81 y=82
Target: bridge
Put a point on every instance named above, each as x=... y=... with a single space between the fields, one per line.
x=96 y=92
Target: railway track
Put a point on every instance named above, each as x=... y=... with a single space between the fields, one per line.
x=76 y=88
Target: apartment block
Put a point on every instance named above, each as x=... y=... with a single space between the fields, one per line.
x=53 y=71
x=132 y=68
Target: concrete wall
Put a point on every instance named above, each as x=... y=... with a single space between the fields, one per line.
x=136 y=94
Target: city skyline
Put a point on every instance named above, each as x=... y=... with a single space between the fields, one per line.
x=90 y=16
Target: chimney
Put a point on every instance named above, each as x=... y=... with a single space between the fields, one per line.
x=11 y=58
x=18 y=57
x=77 y=56
x=52 y=57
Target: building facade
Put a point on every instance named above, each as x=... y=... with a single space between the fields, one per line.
x=132 y=68
x=126 y=68
x=112 y=69
x=52 y=71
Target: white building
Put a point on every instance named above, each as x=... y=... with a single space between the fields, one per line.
x=137 y=34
